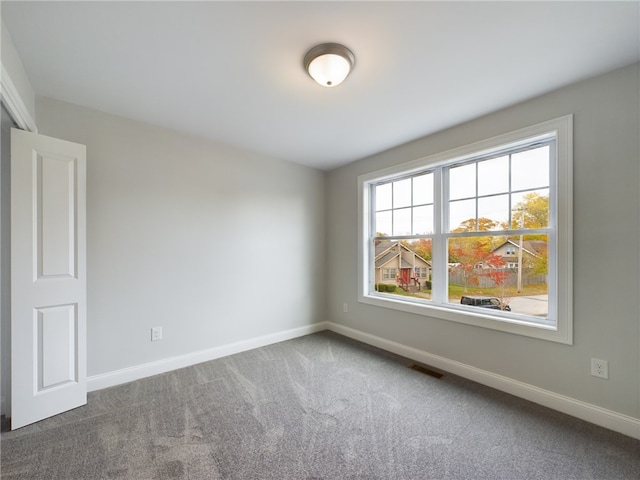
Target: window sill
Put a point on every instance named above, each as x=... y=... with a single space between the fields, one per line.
x=507 y=323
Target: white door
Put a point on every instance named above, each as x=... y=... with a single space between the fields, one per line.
x=48 y=277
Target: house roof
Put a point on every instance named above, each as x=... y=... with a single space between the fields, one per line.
x=384 y=245
x=533 y=247
x=387 y=250
x=386 y=258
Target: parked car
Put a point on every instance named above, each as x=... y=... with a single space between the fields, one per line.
x=484 y=302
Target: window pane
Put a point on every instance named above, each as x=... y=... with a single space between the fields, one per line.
x=489 y=270
x=383 y=224
x=383 y=197
x=462 y=181
x=423 y=189
x=402 y=221
x=534 y=206
x=422 y=220
x=402 y=193
x=530 y=169
x=494 y=208
x=493 y=176
x=460 y=213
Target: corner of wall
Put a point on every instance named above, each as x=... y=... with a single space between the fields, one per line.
x=16 y=91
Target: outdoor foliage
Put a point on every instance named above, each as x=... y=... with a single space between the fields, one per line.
x=484 y=225
x=385 y=287
x=531 y=212
x=422 y=246
x=472 y=258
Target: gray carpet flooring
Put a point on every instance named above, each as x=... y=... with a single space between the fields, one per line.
x=317 y=407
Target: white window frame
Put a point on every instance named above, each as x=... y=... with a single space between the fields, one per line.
x=561 y=245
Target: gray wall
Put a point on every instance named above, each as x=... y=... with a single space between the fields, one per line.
x=606 y=250
x=214 y=244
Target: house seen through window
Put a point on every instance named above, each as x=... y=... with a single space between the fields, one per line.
x=474 y=235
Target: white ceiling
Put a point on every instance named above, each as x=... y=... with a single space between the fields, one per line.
x=232 y=71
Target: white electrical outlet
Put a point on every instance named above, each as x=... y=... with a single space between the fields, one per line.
x=345 y=307
x=599 y=368
x=156 y=334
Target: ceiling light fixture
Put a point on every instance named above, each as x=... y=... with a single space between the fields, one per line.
x=329 y=63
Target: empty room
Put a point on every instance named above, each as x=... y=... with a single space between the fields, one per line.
x=320 y=240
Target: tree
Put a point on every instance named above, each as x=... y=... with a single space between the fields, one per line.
x=469 y=225
x=475 y=259
x=468 y=254
x=497 y=273
x=484 y=225
x=423 y=247
x=540 y=263
x=531 y=212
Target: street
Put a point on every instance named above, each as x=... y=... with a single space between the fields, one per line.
x=532 y=305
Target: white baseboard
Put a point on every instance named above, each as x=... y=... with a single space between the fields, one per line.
x=591 y=413
x=117 y=377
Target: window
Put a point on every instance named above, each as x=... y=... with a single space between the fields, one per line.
x=488 y=220
x=389 y=273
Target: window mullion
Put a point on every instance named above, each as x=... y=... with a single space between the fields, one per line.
x=476 y=196
x=510 y=164
x=411 y=206
x=371 y=238
x=439 y=243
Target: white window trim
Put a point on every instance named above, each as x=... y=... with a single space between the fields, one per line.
x=560 y=275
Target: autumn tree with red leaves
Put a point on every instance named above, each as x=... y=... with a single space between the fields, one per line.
x=468 y=257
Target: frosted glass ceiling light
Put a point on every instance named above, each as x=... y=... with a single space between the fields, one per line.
x=329 y=63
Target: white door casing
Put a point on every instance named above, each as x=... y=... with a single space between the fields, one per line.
x=48 y=277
